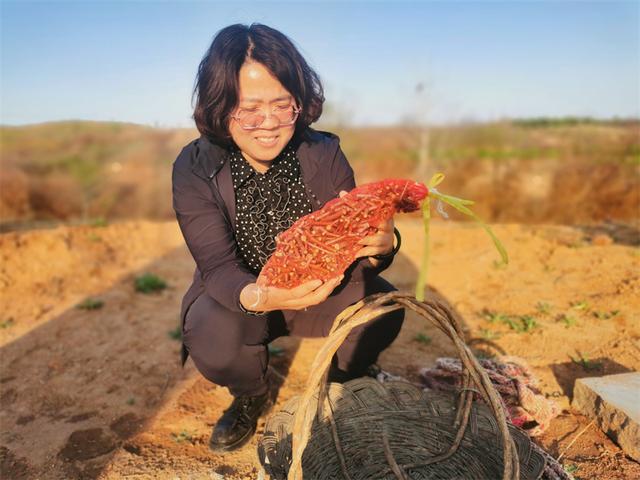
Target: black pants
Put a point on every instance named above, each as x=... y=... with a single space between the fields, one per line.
x=230 y=348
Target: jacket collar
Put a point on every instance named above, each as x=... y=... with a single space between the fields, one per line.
x=211 y=162
x=207 y=158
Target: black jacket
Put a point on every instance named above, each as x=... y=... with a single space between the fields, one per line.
x=204 y=202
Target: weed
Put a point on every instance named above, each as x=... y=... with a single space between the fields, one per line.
x=489 y=334
x=568 y=320
x=581 y=305
x=571 y=468
x=9 y=322
x=543 y=307
x=422 y=338
x=523 y=323
x=605 y=315
x=495 y=317
x=149 y=283
x=90 y=304
x=176 y=333
x=99 y=222
x=512 y=323
x=585 y=363
x=183 y=436
x=131 y=401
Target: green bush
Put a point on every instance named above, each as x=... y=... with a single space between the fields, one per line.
x=149 y=283
x=176 y=333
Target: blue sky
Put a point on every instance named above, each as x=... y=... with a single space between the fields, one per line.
x=136 y=61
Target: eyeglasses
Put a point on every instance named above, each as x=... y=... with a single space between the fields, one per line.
x=252 y=118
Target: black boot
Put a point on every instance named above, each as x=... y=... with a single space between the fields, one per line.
x=238 y=422
x=337 y=375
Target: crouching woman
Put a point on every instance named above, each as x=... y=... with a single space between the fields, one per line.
x=256 y=168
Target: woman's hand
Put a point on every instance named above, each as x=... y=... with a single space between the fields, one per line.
x=378 y=243
x=309 y=293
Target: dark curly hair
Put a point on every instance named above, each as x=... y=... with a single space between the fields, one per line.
x=217 y=79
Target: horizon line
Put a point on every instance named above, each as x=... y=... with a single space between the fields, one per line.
x=469 y=121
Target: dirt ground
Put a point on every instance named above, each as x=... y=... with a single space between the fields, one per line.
x=88 y=394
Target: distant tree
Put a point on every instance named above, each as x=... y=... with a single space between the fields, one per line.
x=87 y=171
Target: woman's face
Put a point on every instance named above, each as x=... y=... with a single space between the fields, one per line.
x=260 y=90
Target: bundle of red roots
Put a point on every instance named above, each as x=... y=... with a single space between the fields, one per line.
x=324 y=243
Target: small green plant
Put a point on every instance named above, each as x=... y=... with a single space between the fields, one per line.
x=176 y=333
x=461 y=205
x=422 y=338
x=523 y=323
x=586 y=364
x=93 y=237
x=495 y=317
x=183 y=436
x=99 y=222
x=571 y=468
x=568 y=320
x=9 y=322
x=580 y=306
x=131 y=401
x=149 y=283
x=489 y=334
x=90 y=304
x=600 y=315
x=543 y=308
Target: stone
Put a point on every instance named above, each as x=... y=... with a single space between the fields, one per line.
x=601 y=240
x=614 y=401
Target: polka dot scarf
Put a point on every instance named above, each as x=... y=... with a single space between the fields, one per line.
x=266 y=203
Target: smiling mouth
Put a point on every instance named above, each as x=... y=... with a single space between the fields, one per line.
x=267 y=140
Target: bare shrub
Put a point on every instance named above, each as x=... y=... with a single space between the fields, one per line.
x=57 y=196
x=14 y=194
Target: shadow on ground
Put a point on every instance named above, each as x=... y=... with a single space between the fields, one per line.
x=567 y=373
x=75 y=388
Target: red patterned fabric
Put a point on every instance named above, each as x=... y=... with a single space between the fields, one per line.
x=512 y=378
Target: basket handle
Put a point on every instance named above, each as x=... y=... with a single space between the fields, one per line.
x=437 y=313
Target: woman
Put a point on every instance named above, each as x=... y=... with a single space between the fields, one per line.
x=256 y=168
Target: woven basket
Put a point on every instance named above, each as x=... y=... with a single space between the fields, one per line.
x=365 y=429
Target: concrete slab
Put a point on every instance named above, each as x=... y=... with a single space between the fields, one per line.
x=614 y=401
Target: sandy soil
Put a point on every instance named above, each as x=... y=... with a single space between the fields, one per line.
x=100 y=394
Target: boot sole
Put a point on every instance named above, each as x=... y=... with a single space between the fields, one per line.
x=236 y=445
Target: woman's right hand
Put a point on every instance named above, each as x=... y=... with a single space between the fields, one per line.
x=305 y=295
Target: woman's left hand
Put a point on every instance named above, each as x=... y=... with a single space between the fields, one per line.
x=378 y=243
